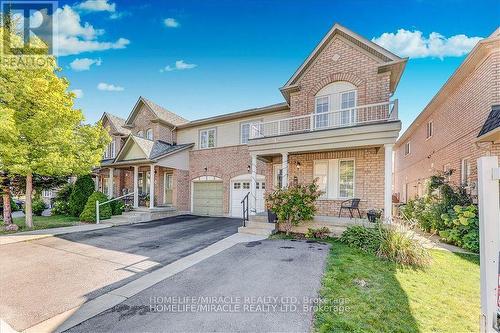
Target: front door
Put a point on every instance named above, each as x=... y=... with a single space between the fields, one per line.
x=168 y=186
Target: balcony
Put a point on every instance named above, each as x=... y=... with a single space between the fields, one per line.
x=342 y=118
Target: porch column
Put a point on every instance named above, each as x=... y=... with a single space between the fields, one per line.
x=151 y=186
x=253 y=187
x=110 y=183
x=96 y=181
x=284 y=170
x=388 y=183
x=136 y=185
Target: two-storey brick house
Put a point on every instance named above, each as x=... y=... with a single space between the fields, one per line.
x=459 y=125
x=337 y=124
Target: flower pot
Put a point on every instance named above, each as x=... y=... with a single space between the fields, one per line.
x=373 y=215
x=271 y=216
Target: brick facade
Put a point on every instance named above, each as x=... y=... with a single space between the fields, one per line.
x=353 y=65
x=457 y=121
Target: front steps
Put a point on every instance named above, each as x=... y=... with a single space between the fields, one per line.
x=141 y=214
x=258 y=225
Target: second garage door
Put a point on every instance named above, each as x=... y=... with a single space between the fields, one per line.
x=207 y=198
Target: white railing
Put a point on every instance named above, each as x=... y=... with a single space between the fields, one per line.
x=327 y=120
x=98 y=205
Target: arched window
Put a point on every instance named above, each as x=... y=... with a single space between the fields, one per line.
x=140 y=134
x=335 y=105
x=149 y=134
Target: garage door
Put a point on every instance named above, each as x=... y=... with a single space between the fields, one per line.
x=240 y=188
x=207 y=198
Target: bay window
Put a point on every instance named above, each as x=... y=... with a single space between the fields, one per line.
x=336 y=178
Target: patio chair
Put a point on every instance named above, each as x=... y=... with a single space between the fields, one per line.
x=351 y=205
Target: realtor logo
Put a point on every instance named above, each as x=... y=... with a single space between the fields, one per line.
x=31 y=24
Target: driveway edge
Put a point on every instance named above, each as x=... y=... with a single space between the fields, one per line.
x=75 y=316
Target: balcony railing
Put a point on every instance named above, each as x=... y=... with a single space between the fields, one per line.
x=359 y=115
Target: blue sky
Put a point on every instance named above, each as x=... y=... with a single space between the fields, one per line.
x=233 y=55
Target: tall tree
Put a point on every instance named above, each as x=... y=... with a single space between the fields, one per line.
x=48 y=136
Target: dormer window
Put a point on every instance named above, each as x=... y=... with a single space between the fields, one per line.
x=140 y=134
x=149 y=134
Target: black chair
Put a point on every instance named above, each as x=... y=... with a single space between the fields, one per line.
x=351 y=204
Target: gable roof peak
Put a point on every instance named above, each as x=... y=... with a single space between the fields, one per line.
x=160 y=113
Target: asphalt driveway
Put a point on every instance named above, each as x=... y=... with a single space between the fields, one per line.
x=265 y=286
x=42 y=278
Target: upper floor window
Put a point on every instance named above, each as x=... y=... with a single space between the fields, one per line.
x=207 y=138
x=335 y=105
x=140 y=134
x=109 y=152
x=149 y=134
x=244 y=133
x=407 y=148
x=429 y=129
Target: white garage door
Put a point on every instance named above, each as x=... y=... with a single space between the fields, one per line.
x=240 y=188
x=207 y=198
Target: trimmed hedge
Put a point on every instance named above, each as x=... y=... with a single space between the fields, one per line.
x=89 y=213
x=82 y=190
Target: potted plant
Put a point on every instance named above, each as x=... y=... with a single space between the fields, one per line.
x=271 y=216
x=373 y=215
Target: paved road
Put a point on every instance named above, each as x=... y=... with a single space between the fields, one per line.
x=260 y=283
x=42 y=278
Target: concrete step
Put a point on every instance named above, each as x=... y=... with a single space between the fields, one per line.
x=255 y=231
x=261 y=225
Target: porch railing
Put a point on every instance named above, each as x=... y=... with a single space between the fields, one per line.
x=363 y=114
x=99 y=204
x=245 y=208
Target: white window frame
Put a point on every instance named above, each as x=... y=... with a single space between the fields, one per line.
x=249 y=123
x=277 y=175
x=407 y=144
x=333 y=178
x=328 y=109
x=140 y=134
x=149 y=134
x=207 y=131
x=429 y=129
x=465 y=174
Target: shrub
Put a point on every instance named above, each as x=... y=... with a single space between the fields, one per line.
x=462 y=227
x=321 y=233
x=82 y=190
x=64 y=192
x=117 y=207
x=89 y=213
x=401 y=247
x=294 y=204
x=365 y=239
x=60 y=208
x=38 y=206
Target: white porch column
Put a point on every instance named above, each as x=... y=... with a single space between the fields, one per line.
x=253 y=187
x=388 y=183
x=110 y=183
x=136 y=185
x=151 y=186
x=284 y=171
x=96 y=181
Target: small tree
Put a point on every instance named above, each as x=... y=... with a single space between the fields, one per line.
x=89 y=213
x=294 y=204
x=82 y=190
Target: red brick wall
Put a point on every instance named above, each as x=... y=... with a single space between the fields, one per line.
x=143 y=121
x=457 y=122
x=369 y=177
x=353 y=66
x=225 y=163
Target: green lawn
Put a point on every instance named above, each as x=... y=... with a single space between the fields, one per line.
x=441 y=298
x=43 y=222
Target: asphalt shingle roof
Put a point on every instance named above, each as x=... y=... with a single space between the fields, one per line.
x=164 y=114
x=154 y=149
x=492 y=122
x=118 y=123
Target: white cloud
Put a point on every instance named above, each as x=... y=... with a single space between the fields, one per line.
x=179 y=66
x=84 y=64
x=119 y=15
x=74 y=37
x=96 y=6
x=109 y=87
x=414 y=44
x=78 y=93
x=171 y=22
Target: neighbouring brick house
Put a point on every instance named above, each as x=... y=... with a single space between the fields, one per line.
x=337 y=124
x=452 y=132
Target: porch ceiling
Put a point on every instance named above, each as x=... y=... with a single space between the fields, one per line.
x=373 y=135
